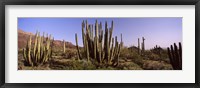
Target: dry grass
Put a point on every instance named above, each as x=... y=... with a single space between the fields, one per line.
x=129 y=60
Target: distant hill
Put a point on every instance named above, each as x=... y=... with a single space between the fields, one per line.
x=24 y=36
x=133 y=48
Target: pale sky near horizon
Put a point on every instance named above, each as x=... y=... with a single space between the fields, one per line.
x=162 y=31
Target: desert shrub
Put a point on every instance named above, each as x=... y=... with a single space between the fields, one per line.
x=72 y=64
x=131 y=54
x=58 y=53
x=164 y=56
x=129 y=66
x=164 y=53
x=153 y=56
x=83 y=65
x=69 y=53
x=156 y=65
x=125 y=53
x=136 y=58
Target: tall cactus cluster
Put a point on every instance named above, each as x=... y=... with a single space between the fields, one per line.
x=41 y=51
x=98 y=46
x=175 y=56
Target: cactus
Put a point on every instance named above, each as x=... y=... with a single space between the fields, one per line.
x=175 y=56
x=63 y=46
x=157 y=50
x=27 y=52
x=51 y=45
x=122 y=41
x=139 y=52
x=143 y=46
x=79 y=56
x=99 y=49
x=40 y=53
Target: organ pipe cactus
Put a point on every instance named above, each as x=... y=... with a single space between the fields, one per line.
x=99 y=46
x=175 y=56
x=141 y=52
x=122 y=41
x=41 y=51
x=63 y=46
x=143 y=45
x=139 y=46
x=77 y=47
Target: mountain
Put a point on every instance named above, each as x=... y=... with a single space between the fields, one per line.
x=24 y=36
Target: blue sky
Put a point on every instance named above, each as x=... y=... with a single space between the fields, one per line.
x=162 y=31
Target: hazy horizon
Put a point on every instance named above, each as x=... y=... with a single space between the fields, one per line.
x=161 y=31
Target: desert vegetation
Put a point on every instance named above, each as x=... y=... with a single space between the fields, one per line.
x=101 y=50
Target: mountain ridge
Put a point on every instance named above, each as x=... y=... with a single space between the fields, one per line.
x=24 y=36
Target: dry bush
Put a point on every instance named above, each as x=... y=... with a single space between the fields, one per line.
x=69 y=53
x=153 y=56
x=129 y=66
x=64 y=64
x=131 y=54
x=156 y=65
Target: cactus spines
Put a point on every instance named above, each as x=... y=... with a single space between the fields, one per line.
x=175 y=56
x=100 y=47
x=40 y=53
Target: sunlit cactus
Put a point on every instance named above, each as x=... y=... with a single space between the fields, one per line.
x=77 y=47
x=99 y=46
x=41 y=51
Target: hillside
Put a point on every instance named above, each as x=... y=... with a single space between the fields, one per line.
x=23 y=37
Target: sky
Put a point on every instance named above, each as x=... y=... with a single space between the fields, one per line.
x=161 y=31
